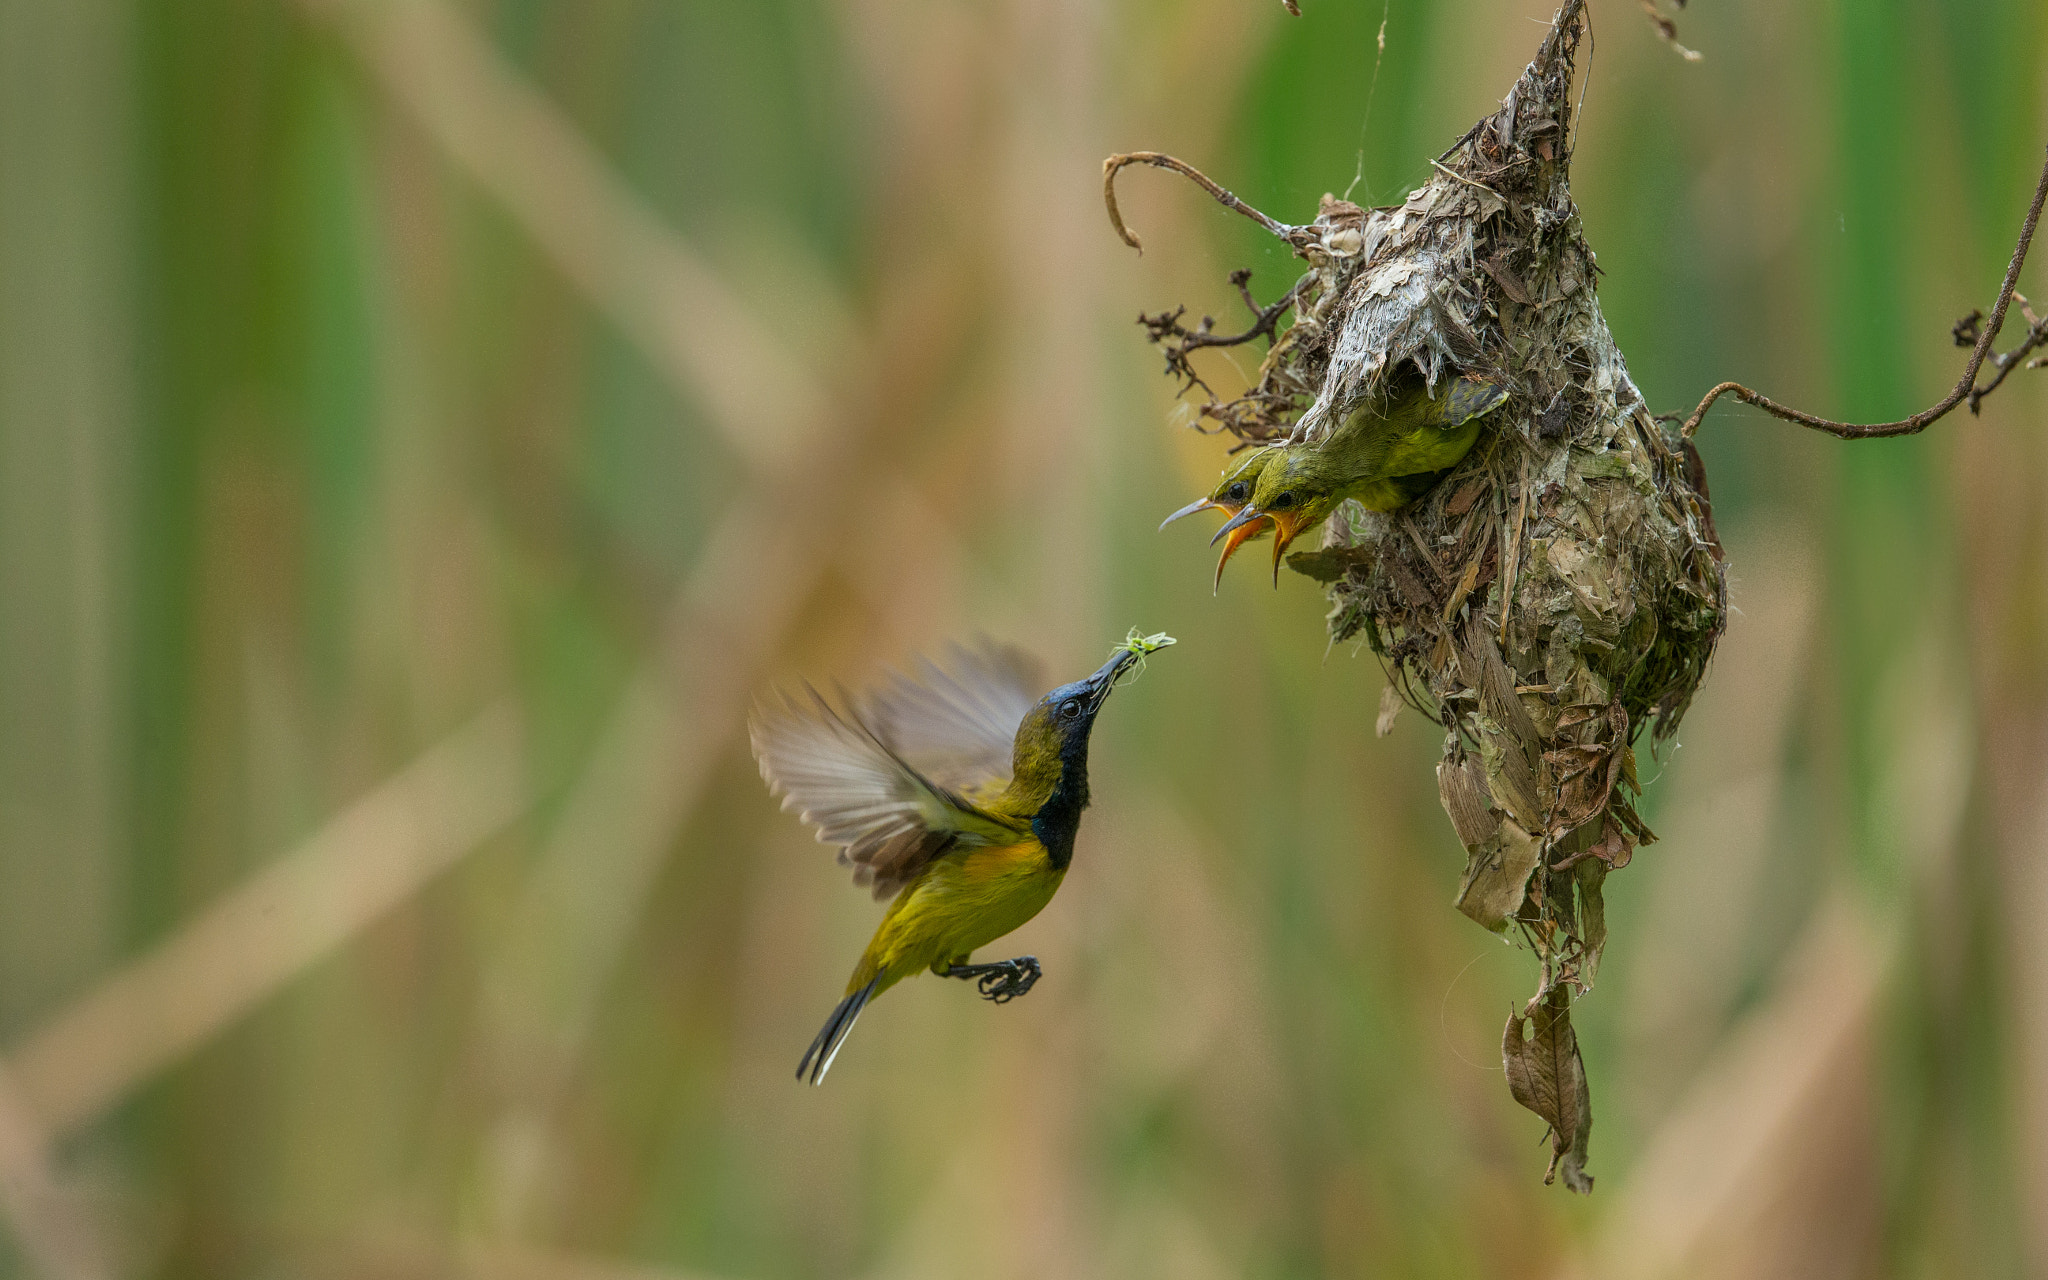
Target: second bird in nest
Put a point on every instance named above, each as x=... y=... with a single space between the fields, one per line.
x=1384 y=455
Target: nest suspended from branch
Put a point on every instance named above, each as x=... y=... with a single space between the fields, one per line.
x=1556 y=594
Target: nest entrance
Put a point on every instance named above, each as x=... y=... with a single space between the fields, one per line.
x=1560 y=591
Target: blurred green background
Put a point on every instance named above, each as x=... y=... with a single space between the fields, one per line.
x=423 y=427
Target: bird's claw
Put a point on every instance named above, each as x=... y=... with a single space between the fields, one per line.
x=1000 y=981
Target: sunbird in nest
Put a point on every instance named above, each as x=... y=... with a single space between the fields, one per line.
x=958 y=792
x=1229 y=496
x=1384 y=456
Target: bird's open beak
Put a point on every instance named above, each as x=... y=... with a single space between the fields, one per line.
x=1104 y=680
x=1244 y=526
x=1245 y=516
x=1199 y=504
x=1285 y=530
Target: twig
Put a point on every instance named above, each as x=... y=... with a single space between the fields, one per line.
x=2037 y=336
x=1966 y=387
x=1158 y=160
x=1449 y=172
x=1180 y=341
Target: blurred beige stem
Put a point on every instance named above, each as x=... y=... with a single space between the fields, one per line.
x=51 y=1227
x=483 y=1262
x=640 y=275
x=242 y=949
x=1721 y=1157
x=2026 y=845
x=1783 y=1091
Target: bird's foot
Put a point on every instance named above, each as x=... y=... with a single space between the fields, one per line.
x=1001 y=981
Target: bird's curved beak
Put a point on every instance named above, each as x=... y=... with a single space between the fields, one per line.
x=1244 y=526
x=1285 y=529
x=1104 y=680
x=1199 y=504
x=1245 y=516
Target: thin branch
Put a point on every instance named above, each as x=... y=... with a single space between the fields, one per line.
x=2037 y=336
x=1166 y=326
x=1966 y=387
x=1159 y=160
x=1255 y=415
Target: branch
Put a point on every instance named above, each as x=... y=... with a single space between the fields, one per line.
x=1966 y=387
x=1167 y=326
x=1291 y=234
x=1255 y=406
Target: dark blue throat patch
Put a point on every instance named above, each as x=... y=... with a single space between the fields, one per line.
x=1060 y=816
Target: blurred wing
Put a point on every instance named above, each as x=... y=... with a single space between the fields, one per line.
x=838 y=776
x=957 y=723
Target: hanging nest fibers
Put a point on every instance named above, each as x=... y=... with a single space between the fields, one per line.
x=1555 y=595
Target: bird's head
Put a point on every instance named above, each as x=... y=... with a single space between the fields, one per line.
x=1294 y=493
x=1231 y=492
x=1054 y=734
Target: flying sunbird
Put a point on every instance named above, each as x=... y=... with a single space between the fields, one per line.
x=958 y=793
x=1229 y=496
x=1385 y=457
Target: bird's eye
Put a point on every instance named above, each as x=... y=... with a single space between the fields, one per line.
x=1284 y=501
x=1236 y=492
x=1070 y=708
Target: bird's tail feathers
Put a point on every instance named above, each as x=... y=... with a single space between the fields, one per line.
x=826 y=1046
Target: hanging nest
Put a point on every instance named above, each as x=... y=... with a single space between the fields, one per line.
x=1560 y=591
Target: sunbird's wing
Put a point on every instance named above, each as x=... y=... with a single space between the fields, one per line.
x=957 y=722
x=836 y=773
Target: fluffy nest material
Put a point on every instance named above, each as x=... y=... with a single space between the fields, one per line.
x=1558 y=593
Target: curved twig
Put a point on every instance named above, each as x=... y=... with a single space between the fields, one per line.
x=1160 y=160
x=1966 y=387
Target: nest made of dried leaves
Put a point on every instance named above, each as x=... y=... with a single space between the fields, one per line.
x=1561 y=590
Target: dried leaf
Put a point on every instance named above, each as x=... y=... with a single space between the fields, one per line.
x=1510 y=283
x=1467 y=494
x=1497 y=875
x=1330 y=564
x=1390 y=707
x=1589 y=876
x=1461 y=785
x=1546 y=1075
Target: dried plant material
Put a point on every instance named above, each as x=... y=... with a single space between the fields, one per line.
x=1390 y=710
x=1546 y=1075
x=1497 y=871
x=1561 y=590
